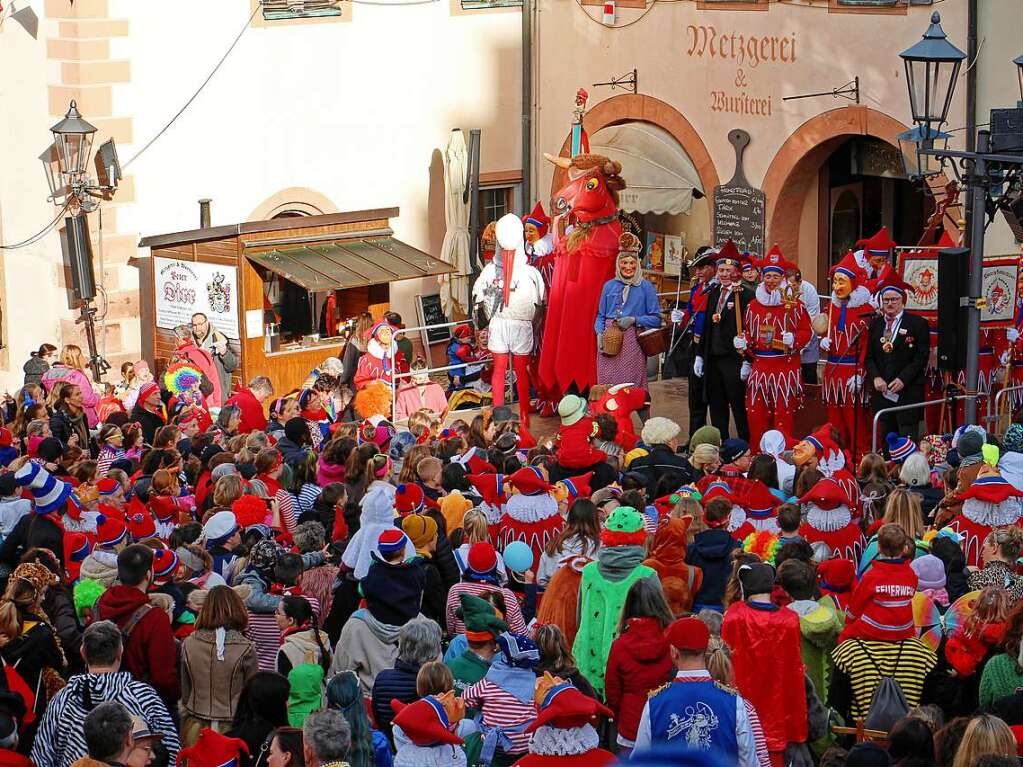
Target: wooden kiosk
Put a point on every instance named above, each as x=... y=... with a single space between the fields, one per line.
x=255 y=278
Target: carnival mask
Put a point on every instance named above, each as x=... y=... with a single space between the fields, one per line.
x=803 y=453
x=772 y=281
x=841 y=285
x=532 y=234
x=453 y=707
x=385 y=337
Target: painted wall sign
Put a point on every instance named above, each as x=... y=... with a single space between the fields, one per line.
x=184 y=288
x=739 y=206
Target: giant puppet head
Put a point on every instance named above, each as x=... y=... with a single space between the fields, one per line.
x=877 y=249
x=592 y=189
x=536 y=224
x=815 y=448
x=845 y=276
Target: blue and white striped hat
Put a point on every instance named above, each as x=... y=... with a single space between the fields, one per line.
x=49 y=492
x=900 y=448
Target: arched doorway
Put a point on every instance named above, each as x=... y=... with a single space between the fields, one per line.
x=834 y=180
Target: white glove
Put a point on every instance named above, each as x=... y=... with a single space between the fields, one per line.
x=676 y=315
x=698 y=367
x=855 y=383
x=1004 y=358
x=739 y=342
x=788 y=339
x=1012 y=334
x=746 y=369
x=825 y=344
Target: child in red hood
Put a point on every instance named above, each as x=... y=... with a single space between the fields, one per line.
x=640 y=658
x=980 y=633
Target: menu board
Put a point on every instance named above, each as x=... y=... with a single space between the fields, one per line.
x=431 y=313
x=739 y=206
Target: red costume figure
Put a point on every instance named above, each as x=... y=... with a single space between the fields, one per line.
x=203 y=360
x=620 y=401
x=761 y=507
x=539 y=242
x=874 y=258
x=1014 y=348
x=777 y=328
x=990 y=502
x=574 y=435
x=584 y=261
x=531 y=514
x=381 y=357
x=846 y=346
x=510 y=292
x=819 y=451
x=828 y=519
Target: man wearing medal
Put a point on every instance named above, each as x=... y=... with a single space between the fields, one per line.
x=721 y=357
x=897 y=351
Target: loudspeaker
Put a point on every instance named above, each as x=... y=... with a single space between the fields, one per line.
x=79 y=249
x=953 y=284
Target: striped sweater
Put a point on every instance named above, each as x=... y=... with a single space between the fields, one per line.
x=60 y=740
x=513 y=611
x=499 y=708
x=863 y=662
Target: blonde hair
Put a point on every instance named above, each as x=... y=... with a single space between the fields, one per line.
x=705 y=455
x=20 y=595
x=164 y=482
x=415 y=454
x=227 y=490
x=985 y=734
x=36 y=427
x=689 y=506
x=429 y=468
x=903 y=509
x=423 y=418
x=71 y=356
x=474 y=523
x=719 y=661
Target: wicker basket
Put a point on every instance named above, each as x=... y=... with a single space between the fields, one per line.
x=613 y=336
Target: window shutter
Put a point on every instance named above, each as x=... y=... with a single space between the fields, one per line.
x=300 y=9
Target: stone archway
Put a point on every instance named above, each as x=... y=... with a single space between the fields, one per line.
x=796 y=164
x=294 y=200
x=642 y=108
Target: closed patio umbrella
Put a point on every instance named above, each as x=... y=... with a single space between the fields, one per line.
x=455 y=248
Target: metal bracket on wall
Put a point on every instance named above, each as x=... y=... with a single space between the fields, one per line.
x=850 y=91
x=627 y=82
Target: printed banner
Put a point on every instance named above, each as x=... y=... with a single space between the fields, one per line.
x=919 y=268
x=184 y=288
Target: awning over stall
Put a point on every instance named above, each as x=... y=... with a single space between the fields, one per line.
x=349 y=263
x=659 y=175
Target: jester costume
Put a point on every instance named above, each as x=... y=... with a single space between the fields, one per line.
x=989 y=502
x=531 y=515
x=776 y=331
x=829 y=520
x=846 y=348
x=1014 y=344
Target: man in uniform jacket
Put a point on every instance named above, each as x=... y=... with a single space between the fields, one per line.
x=898 y=346
x=721 y=359
x=688 y=329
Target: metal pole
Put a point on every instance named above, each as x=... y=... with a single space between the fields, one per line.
x=978 y=187
x=525 y=191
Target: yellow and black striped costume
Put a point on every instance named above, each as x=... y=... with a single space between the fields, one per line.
x=863 y=662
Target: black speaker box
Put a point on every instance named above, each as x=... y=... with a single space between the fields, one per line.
x=79 y=250
x=953 y=284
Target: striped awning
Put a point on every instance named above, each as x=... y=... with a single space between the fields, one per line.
x=349 y=263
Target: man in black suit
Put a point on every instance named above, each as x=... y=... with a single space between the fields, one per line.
x=897 y=350
x=721 y=359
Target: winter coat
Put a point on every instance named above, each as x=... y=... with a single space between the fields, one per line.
x=59 y=606
x=35 y=369
x=150 y=422
x=394 y=592
x=435 y=592
x=253 y=417
x=60 y=739
x=63 y=424
x=882 y=604
x=639 y=661
x=150 y=652
x=711 y=551
x=293 y=454
x=60 y=373
x=819 y=626
x=32 y=531
x=32 y=651
x=365 y=648
x=668 y=557
x=661 y=460
x=211 y=685
x=571 y=547
x=397 y=683
x=301 y=647
x=965 y=653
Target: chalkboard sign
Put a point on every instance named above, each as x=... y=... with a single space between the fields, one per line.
x=431 y=313
x=738 y=206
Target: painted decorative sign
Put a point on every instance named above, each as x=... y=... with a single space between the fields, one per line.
x=184 y=288
x=919 y=268
x=739 y=206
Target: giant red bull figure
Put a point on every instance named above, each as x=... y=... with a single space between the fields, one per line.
x=845 y=343
x=583 y=262
x=777 y=328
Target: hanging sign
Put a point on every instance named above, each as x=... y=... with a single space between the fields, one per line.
x=739 y=206
x=184 y=288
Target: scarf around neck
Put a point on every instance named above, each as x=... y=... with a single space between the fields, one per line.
x=628 y=284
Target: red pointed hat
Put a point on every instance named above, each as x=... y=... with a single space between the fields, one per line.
x=759 y=501
x=490 y=486
x=879 y=243
x=425 y=722
x=990 y=486
x=728 y=254
x=774 y=261
x=538 y=219
x=474 y=463
x=529 y=481
x=822 y=441
x=141 y=525
x=578 y=487
x=892 y=282
x=213 y=750
x=826 y=494
x=409 y=498
x=850 y=268
x=565 y=707
x=717 y=490
x=836 y=574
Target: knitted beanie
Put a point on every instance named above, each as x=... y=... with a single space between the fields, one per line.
x=420 y=529
x=623 y=527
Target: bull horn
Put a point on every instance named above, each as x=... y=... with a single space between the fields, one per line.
x=561 y=162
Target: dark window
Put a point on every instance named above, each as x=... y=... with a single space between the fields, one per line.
x=494 y=203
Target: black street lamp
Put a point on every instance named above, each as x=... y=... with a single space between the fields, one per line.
x=932 y=69
x=72 y=138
